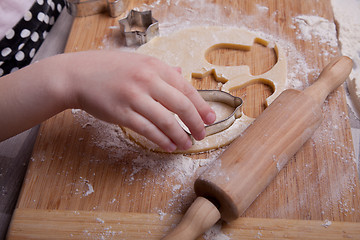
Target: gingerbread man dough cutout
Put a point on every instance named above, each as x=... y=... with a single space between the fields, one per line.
x=187 y=49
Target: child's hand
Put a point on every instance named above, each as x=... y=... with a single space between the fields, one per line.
x=138 y=92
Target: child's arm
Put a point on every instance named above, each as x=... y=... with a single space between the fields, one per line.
x=129 y=89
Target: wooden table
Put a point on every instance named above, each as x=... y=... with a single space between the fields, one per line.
x=85 y=181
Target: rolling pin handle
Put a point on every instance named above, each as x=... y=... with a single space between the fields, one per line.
x=201 y=216
x=331 y=77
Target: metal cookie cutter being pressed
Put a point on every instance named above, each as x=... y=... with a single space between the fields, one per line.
x=138 y=27
x=79 y=8
x=222 y=97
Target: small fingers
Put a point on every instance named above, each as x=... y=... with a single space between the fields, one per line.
x=167 y=91
x=176 y=102
x=206 y=112
x=175 y=79
x=164 y=120
x=146 y=128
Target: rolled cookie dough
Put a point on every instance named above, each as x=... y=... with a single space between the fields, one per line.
x=187 y=49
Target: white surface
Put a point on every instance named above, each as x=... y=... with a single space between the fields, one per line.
x=347 y=16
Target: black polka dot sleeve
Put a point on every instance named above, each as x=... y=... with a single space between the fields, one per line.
x=19 y=45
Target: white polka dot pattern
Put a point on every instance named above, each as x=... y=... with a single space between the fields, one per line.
x=32 y=52
x=41 y=16
x=19 y=45
x=10 y=34
x=52 y=20
x=19 y=56
x=35 y=37
x=28 y=16
x=59 y=7
x=25 y=33
x=5 y=52
x=14 y=69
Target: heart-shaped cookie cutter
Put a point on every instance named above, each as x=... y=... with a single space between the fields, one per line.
x=222 y=97
x=138 y=27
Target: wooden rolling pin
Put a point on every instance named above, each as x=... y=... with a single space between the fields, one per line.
x=252 y=161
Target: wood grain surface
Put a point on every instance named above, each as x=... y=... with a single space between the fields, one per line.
x=320 y=183
x=44 y=224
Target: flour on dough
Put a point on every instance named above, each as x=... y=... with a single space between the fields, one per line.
x=187 y=49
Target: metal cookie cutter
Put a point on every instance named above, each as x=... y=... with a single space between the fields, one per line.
x=222 y=97
x=79 y=8
x=138 y=27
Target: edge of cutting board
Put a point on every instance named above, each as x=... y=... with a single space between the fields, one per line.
x=56 y=224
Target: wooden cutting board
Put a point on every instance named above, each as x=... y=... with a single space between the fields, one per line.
x=86 y=180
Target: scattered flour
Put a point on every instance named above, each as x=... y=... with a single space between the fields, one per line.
x=99 y=220
x=326 y=223
x=89 y=186
x=309 y=27
x=215 y=233
x=347 y=16
x=258 y=235
x=185 y=169
x=182 y=169
x=262 y=8
x=90 y=191
x=196 y=13
x=161 y=214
